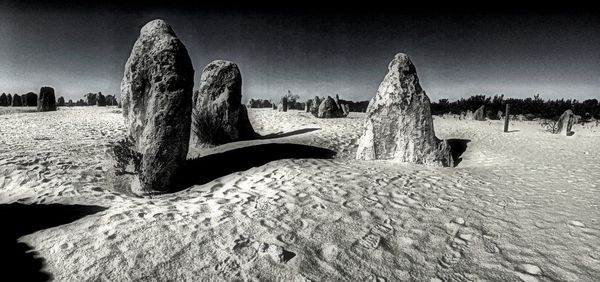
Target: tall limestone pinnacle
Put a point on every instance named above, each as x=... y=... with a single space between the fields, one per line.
x=399 y=125
x=156 y=93
x=219 y=116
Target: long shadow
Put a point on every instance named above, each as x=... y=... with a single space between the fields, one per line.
x=457 y=148
x=18 y=259
x=281 y=135
x=205 y=169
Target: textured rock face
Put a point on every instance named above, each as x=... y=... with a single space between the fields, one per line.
x=3 y=100
x=283 y=105
x=17 y=101
x=29 y=99
x=307 y=106
x=219 y=116
x=60 y=102
x=565 y=123
x=329 y=109
x=100 y=100
x=479 y=114
x=399 y=125
x=337 y=101
x=156 y=93
x=111 y=100
x=46 y=100
x=345 y=109
x=314 y=106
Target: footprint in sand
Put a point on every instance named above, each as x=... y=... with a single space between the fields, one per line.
x=268 y=223
x=370 y=241
x=490 y=245
x=373 y=201
x=431 y=205
x=228 y=268
x=288 y=238
x=460 y=277
x=245 y=249
x=382 y=229
x=352 y=204
x=375 y=278
x=449 y=259
x=66 y=245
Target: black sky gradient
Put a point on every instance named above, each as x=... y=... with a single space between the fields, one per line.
x=80 y=48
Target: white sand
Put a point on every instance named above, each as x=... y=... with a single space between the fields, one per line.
x=523 y=205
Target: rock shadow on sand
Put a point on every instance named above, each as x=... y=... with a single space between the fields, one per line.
x=19 y=261
x=286 y=134
x=205 y=169
x=457 y=148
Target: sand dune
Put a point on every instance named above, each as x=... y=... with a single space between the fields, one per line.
x=519 y=206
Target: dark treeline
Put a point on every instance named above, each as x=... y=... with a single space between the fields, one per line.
x=533 y=107
x=360 y=106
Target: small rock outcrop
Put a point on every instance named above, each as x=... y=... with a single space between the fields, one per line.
x=100 y=100
x=399 y=124
x=29 y=99
x=329 y=109
x=565 y=123
x=60 y=102
x=307 y=106
x=46 y=100
x=111 y=100
x=252 y=103
x=479 y=114
x=156 y=93
x=3 y=100
x=219 y=116
x=90 y=98
x=314 y=106
x=337 y=101
x=283 y=104
x=9 y=99
x=17 y=101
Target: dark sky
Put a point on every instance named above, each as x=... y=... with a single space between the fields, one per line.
x=311 y=52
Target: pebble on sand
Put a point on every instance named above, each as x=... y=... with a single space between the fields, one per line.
x=529 y=269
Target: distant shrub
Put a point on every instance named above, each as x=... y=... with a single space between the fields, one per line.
x=549 y=125
x=208 y=128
